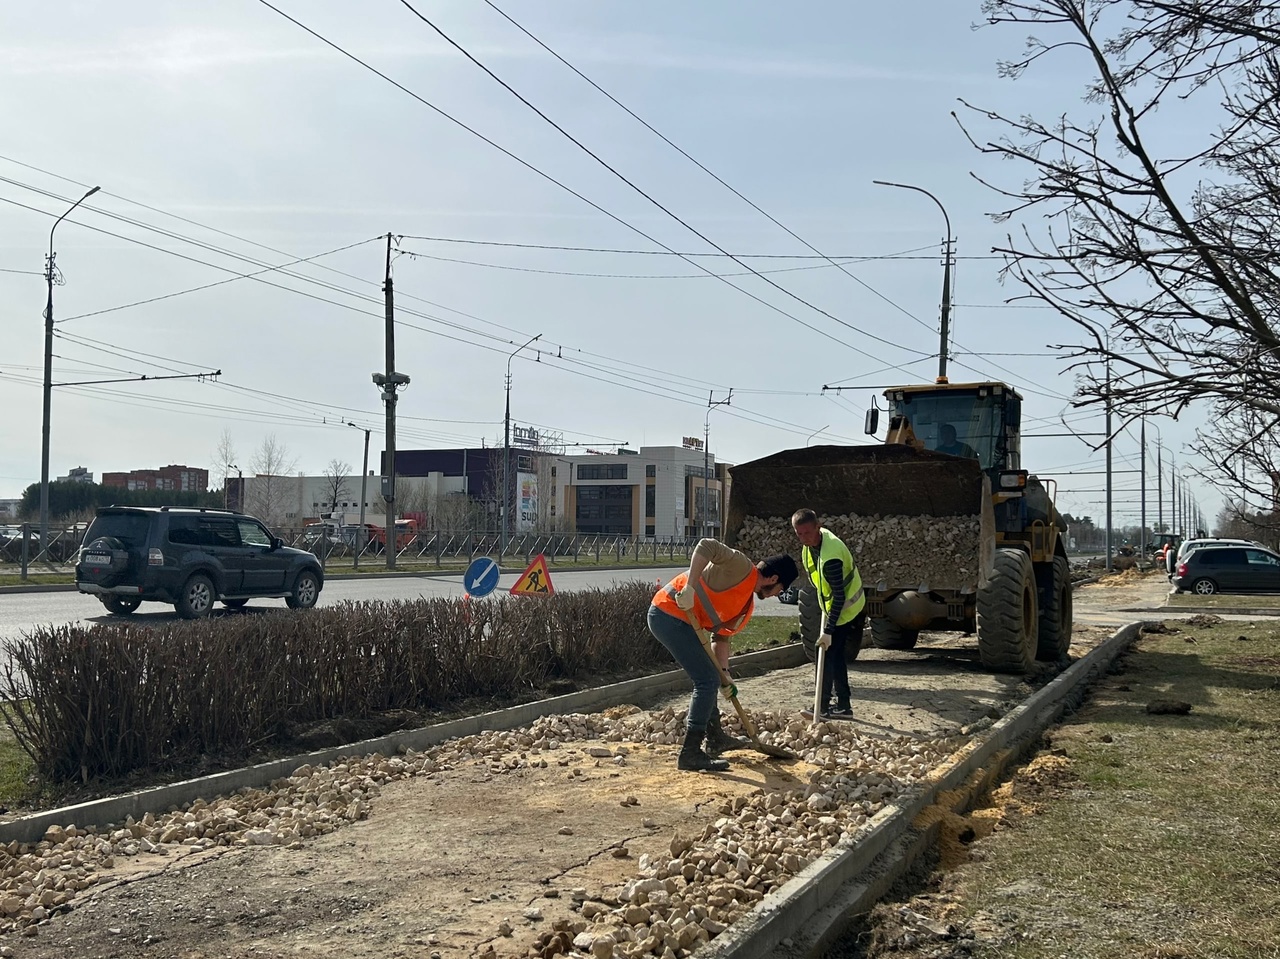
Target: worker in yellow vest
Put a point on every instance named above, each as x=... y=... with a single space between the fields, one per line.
x=719 y=590
x=831 y=569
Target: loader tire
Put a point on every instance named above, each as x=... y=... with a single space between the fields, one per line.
x=1008 y=614
x=1055 y=613
x=886 y=634
x=811 y=624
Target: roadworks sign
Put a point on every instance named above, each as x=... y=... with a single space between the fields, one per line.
x=534 y=581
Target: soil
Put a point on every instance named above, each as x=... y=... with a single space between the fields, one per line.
x=444 y=859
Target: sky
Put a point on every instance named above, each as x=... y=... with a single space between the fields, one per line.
x=228 y=141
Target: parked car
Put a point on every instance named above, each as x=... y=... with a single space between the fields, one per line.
x=191 y=558
x=1228 y=569
x=1191 y=545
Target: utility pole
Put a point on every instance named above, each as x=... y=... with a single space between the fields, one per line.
x=51 y=277
x=712 y=403
x=1107 y=428
x=364 y=481
x=506 y=451
x=1160 y=485
x=390 y=381
x=1142 y=537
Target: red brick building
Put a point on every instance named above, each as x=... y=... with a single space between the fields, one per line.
x=186 y=478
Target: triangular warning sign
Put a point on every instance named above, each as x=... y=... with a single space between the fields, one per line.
x=534 y=581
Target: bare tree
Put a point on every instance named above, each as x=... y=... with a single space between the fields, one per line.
x=1164 y=257
x=224 y=457
x=273 y=466
x=335 y=482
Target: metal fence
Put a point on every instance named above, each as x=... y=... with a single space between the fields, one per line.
x=441 y=549
x=20 y=548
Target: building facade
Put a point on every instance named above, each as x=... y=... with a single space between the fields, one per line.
x=658 y=492
x=77 y=475
x=173 y=477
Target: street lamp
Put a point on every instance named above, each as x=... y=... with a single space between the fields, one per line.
x=49 y=275
x=239 y=487
x=506 y=451
x=706 y=451
x=815 y=433
x=364 y=479
x=946 y=273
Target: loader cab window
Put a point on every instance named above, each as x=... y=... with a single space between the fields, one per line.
x=961 y=423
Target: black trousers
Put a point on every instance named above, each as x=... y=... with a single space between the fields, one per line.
x=835 y=673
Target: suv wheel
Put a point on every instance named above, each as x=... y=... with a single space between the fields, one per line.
x=121 y=605
x=306 y=590
x=197 y=597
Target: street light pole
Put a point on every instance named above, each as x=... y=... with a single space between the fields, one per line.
x=947 y=255
x=506 y=451
x=706 y=451
x=815 y=433
x=49 y=274
x=226 y=484
x=364 y=480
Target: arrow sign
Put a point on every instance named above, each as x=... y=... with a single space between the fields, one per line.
x=481 y=577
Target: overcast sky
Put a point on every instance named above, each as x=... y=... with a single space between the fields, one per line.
x=227 y=139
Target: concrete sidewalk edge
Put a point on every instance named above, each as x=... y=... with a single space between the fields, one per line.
x=815 y=907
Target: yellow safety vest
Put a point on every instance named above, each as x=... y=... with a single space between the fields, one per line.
x=854 y=597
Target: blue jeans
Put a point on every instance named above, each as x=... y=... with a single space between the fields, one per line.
x=683 y=643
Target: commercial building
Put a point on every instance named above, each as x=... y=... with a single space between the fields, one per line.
x=184 y=478
x=77 y=475
x=658 y=492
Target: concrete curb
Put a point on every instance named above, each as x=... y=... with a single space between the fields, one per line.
x=816 y=906
x=415 y=574
x=114 y=809
x=1216 y=610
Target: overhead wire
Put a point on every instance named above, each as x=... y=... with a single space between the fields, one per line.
x=675 y=147
x=531 y=167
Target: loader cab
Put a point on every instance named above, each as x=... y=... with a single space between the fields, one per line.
x=975 y=420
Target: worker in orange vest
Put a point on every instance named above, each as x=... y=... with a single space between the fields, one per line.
x=719 y=591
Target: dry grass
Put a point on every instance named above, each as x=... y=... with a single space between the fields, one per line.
x=1150 y=836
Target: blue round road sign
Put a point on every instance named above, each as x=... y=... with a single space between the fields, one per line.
x=481 y=577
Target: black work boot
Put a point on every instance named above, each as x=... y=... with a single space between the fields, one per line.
x=718 y=741
x=693 y=758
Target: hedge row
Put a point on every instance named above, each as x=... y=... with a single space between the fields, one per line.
x=108 y=699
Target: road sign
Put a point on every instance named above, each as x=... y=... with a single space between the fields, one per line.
x=481 y=577
x=534 y=581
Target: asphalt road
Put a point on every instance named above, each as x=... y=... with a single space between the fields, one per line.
x=20 y=612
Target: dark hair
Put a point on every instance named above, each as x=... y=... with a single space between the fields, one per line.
x=781 y=566
x=802 y=516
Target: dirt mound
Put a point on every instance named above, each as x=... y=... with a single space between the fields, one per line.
x=1205 y=620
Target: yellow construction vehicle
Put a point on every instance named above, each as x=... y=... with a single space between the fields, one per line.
x=952 y=451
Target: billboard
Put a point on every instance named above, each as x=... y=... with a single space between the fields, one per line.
x=526 y=501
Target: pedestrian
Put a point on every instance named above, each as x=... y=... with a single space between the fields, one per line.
x=719 y=590
x=831 y=569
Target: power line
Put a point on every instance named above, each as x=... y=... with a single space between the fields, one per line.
x=653 y=200
x=529 y=166
x=676 y=253
x=627 y=276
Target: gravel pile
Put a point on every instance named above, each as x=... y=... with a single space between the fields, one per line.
x=896 y=551
x=672 y=905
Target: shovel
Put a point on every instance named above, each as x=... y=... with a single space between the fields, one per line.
x=725 y=681
x=817 y=684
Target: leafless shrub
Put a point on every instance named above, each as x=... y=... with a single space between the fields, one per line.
x=108 y=699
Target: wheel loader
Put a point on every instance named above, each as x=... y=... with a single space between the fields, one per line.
x=1016 y=597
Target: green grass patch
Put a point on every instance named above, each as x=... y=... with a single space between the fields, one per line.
x=16 y=769
x=1226 y=601
x=35 y=578
x=1159 y=834
x=765 y=632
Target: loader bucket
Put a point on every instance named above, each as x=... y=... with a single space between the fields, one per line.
x=866 y=480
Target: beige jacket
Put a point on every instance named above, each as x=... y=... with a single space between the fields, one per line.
x=725 y=565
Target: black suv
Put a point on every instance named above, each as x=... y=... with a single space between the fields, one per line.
x=191 y=558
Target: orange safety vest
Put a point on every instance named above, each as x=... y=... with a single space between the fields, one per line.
x=715 y=610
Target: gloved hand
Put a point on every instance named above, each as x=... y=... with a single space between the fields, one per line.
x=825 y=640
x=685 y=597
x=729 y=692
